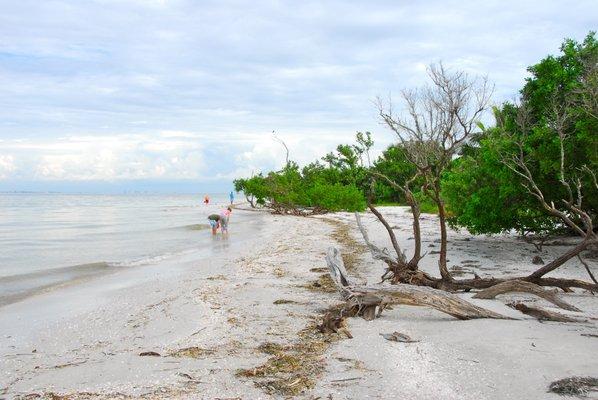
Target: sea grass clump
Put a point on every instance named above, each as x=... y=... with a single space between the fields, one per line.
x=574 y=386
x=293 y=368
x=191 y=352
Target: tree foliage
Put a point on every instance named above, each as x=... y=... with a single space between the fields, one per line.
x=335 y=185
x=557 y=102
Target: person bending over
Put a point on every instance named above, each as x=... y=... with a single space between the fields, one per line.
x=224 y=217
x=214 y=220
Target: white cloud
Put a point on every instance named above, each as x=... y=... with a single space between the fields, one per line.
x=177 y=89
x=103 y=158
x=7 y=166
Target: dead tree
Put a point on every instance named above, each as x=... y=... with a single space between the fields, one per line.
x=438 y=120
x=370 y=302
x=286 y=148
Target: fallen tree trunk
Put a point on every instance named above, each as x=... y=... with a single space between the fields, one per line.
x=524 y=287
x=369 y=302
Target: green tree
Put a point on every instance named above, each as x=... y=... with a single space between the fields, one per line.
x=486 y=196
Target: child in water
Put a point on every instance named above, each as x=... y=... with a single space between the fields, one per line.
x=214 y=220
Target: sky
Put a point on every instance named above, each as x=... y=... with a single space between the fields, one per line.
x=183 y=96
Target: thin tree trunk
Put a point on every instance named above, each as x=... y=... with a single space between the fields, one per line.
x=444 y=272
x=393 y=238
x=413 y=263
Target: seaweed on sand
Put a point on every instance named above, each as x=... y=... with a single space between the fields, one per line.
x=574 y=386
x=292 y=368
x=323 y=284
x=191 y=352
x=352 y=249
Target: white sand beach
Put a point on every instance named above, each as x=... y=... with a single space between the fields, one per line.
x=202 y=321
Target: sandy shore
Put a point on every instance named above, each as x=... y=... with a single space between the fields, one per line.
x=239 y=324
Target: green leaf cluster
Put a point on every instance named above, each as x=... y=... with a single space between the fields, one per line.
x=487 y=197
x=336 y=186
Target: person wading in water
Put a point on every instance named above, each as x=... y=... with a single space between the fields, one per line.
x=214 y=220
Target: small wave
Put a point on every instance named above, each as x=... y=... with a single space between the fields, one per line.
x=72 y=269
x=16 y=287
x=148 y=260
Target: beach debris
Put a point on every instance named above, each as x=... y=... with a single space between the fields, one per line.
x=524 y=287
x=149 y=354
x=574 y=386
x=346 y=379
x=322 y=284
x=334 y=324
x=199 y=331
x=69 y=364
x=191 y=352
x=285 y=301
x=189 y=378
x=217 y=278
x=271 y=348
x=541 y=314
x=537 y=260
x=398 y=337
x=292 y=368
x=589 y=335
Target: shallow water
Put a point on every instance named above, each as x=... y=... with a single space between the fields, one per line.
x=48 y=239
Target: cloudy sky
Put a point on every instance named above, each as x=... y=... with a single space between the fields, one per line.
x=184 y=95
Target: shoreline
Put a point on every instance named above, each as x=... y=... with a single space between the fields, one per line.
x=242 y=325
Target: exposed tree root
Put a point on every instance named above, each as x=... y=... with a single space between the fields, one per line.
x=524 y=287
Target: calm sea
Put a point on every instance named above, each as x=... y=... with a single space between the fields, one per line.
x=49 y=239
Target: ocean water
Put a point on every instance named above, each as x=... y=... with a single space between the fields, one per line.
x=50 y=239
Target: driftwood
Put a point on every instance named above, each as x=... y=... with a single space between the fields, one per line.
x=524 y=287
x=334 y=324
x=370 y=302
x=543 y=315
x=398 y=337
